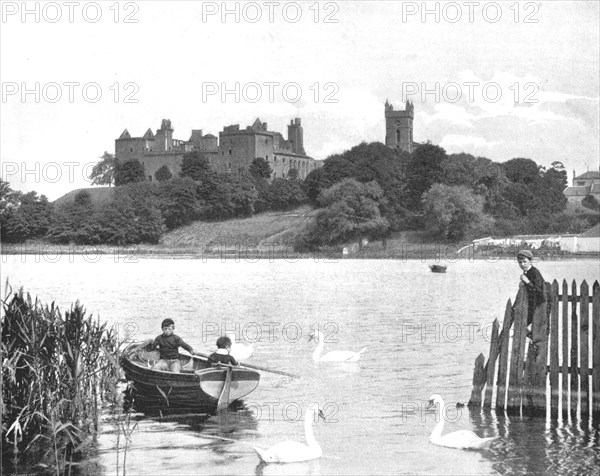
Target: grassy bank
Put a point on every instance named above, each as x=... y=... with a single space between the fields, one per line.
x=269 y=236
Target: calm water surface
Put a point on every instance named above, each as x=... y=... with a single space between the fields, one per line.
x=423 y=332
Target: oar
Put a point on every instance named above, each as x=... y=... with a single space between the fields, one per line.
x=258 y=367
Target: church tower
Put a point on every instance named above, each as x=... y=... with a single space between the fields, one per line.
x=399 y=127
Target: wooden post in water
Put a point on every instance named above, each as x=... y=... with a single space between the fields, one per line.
x=584 y=371
x=574 y=351
x=537 y=356
x=596 y=349
x=503 y=359
x=565 y=349
x=515 y=383
x=479 y=379
x=554 y=389
x=491 y=366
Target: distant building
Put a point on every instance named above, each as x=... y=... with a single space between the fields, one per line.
x=232 y=152
x=399 y=127
x=239 y=147
x=583 y=185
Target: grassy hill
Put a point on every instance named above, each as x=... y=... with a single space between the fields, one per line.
x=267 y=229
x=99 y=195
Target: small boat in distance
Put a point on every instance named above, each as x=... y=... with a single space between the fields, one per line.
x=199 y=387
x=438 y=268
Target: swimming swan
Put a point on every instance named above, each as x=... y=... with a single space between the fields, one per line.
x=240 y=351
x=459 y=439
x=334 y=356
x=294 y=451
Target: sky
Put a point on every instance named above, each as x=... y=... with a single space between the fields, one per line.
x=493 y=79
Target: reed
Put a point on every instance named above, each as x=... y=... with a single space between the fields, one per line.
x=56 y=368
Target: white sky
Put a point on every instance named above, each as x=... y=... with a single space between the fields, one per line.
x=371 y=54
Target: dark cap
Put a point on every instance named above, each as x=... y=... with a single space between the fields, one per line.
x=525 y=254
x=167 y=322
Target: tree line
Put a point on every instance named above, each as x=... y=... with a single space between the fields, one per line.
x=368 y=192
x=139 y=211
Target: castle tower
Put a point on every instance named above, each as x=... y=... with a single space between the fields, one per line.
x=164 y=137
x=399 y=127
x=296 y=136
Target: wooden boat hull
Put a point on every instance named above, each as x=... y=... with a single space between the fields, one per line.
x=438 y=268
x=198 y=387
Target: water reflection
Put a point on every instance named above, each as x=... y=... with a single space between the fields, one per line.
x=533 y=445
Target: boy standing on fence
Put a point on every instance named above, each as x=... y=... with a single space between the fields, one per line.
x=533 y=280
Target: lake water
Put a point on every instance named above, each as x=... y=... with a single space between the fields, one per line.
x=422 y=331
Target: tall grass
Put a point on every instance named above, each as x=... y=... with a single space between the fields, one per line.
x=55 y=369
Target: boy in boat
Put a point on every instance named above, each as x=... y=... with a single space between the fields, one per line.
x=168 y=345
x=221 y=356
x=533 y=280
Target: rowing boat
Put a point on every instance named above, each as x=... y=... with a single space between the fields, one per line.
x=437 y=268
x=198 y=387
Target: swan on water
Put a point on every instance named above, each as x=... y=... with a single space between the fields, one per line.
x=463 y=439
x=240 y=351
x=294 y=451
x=333 y=356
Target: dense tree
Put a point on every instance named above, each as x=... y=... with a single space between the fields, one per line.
x=130 y=171
x=29 y=218
x=263 y=198
x=195 y=166
x=351 y=212
x=424 y=169
x=179 y=203
x=521 y=170
x=260 y=168
x=103 y=173
x=71 y=222
x=367 y=162
x=548 y=189
x=10 y=201
x=163 y=174
x=228 y=196
x=285 y=194
x=590 y=202
x=453 y=212
x=132 y=216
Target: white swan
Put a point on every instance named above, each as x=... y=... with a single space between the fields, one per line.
x=294 y=451
x=334 y=356
x=463 y=439
x=240 y=351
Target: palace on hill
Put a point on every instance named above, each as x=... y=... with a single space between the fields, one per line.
x=235 y=148
x=233 y=151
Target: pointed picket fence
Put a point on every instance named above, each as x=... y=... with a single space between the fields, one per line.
x=558 y=367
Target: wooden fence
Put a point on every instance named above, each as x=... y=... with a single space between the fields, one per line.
x=554 y=369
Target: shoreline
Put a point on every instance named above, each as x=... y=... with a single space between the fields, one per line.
x=432 y=252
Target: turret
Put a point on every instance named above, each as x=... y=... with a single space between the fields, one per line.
x=296 y=136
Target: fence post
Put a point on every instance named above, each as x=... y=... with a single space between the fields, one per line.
x=565 y=349
x=596 y=349
x=504 y=341
x=515 y=382
x=574 y=352
x=479 y=377
x=491 y=366
x=584 y=366
x=554 y=390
